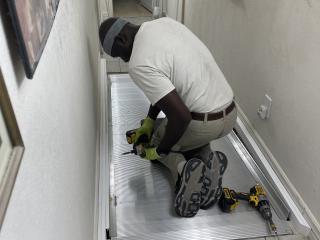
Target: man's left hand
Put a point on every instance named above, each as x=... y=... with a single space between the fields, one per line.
x=150 y=154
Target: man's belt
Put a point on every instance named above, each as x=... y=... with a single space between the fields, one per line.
x=213 y=116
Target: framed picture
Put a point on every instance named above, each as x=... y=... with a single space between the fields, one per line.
x=32 y=20
x=11 y=149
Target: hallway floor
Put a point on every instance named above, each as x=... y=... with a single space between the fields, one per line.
x=141 y=196
x=130 y=8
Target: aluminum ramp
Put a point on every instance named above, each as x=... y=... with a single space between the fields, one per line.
x=141 y=198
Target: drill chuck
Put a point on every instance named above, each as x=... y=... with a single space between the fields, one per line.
x=265 y=211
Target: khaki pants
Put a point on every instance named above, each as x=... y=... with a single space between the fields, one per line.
x=198 y=134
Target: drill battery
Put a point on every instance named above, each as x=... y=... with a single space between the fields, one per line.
x=228 y=200
x=131 y=134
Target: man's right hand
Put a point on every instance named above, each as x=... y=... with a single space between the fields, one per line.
x=144 y=133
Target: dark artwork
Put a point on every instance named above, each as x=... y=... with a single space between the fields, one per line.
x=33 y=21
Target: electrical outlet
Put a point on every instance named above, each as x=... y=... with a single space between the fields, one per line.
x=264 y=110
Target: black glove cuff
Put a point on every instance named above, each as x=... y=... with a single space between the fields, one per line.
x=161 y=152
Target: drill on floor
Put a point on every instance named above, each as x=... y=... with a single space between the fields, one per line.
x=257 y=198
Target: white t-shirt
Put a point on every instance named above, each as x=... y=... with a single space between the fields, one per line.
x=166 y=56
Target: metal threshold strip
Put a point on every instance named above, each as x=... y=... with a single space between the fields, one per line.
x=140 y=192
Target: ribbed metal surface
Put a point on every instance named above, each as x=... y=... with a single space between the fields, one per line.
x=141 y=196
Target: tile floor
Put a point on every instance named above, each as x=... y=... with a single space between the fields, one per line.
x=129 y=8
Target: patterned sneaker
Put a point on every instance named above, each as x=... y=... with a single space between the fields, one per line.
x=189 y=185
x=216 y=165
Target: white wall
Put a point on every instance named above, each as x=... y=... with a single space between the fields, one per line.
x=53 y=198
x=272 y=46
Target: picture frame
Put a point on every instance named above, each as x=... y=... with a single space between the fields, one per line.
x=32 y=21
x=10 y=138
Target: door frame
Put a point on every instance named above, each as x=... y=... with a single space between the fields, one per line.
x=13 y=161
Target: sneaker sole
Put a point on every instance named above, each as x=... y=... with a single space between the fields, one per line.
x=187 y=201
x=210 y=195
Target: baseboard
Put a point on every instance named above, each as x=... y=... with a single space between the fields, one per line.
x=299 y=206
x=101 y=221
x=102 y=178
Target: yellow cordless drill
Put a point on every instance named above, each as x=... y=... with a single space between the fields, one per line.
x=138 y=144
x=131 y=134
x=257 y=198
